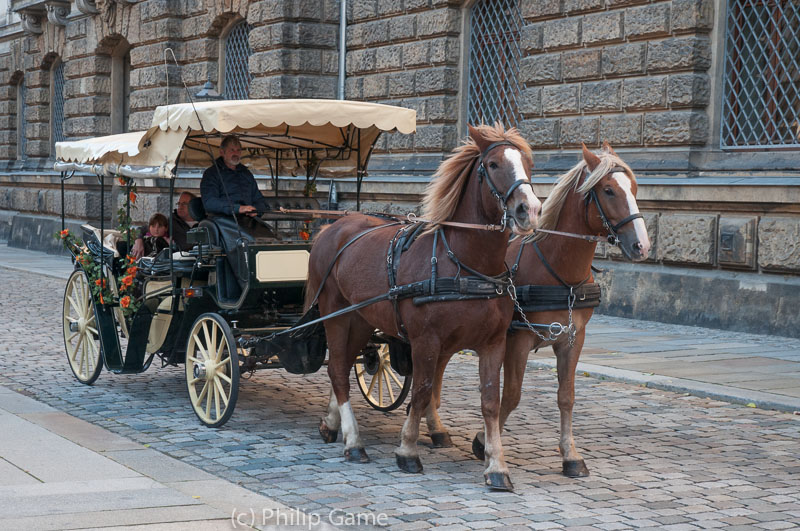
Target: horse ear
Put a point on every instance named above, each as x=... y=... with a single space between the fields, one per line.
x=608 y=148
x=591 y=159
x=478 y=137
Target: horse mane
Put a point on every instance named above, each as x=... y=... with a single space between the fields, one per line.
x=551 y=208
x=443 y=193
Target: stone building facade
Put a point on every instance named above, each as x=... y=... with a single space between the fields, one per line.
x=679 y=88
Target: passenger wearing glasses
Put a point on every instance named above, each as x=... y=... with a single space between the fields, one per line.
x=181 y=222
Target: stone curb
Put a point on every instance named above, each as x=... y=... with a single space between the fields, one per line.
x=733 y=395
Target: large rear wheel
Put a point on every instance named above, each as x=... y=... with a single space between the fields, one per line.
x=212 y=370
x=81 y=338
x=384 y=389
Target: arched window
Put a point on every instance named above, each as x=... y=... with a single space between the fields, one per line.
x=22 y=139
x=236 y=72
x=494 y=55
x=56 y=105
x=120 y=88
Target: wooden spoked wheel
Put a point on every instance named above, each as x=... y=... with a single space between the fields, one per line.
x=383 y=388
x=212 y=370
x=81 y=338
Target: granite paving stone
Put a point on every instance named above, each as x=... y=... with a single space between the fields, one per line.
x=657 y=458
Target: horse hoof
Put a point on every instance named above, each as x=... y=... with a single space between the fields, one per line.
x=478 y=449
x=356 y=455
x=499 y=481
x=574 y=469
x=441 y=439
x=328 y=435
x=412 y=465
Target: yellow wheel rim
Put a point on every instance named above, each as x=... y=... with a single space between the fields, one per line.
x=81 y=337
x=212 y=371
x=385 y=389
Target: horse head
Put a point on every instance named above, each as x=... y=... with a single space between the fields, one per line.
x=611 y=204
x=504 y=167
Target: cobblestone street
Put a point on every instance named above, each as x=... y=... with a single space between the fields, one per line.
x=657 y=459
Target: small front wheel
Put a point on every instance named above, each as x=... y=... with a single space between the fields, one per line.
x=81 y=336
x=384 y=389
x=212 y=370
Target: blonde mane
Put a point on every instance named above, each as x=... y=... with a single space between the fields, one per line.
x=551 y=208
x=443 y=193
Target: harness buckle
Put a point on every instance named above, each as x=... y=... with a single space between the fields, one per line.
x=612 y=239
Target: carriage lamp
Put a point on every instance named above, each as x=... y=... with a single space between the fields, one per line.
x=192 y=292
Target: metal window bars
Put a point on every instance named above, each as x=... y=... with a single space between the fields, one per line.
x=761 y=83
x=494 y=56
x=237 y=68
x=58 y=104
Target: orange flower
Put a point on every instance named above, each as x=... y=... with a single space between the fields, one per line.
x=100 y=282
x=130 y=259
x=132 y=197
x=128 y=280
x=64 y=233
x=125 y=301
x=122 y=181
x=132 y=270
x=101 y=299
x=304 y=235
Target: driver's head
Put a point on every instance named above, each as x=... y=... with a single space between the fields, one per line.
x=231 y=151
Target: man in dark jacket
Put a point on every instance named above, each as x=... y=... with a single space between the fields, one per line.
x=228 y=188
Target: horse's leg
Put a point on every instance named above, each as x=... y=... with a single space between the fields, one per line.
x=490 y=360
x=439 y=435
x=518 y=345
x=345 y=340
x=567 y=359
x=425 y=353
x=329 y=426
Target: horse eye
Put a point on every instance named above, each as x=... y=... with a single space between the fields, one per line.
x=493 y=165
x=609 y=192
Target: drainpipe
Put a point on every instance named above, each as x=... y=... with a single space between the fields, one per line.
x=342 y=50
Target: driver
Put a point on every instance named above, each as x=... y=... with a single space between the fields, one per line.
x=228 y=187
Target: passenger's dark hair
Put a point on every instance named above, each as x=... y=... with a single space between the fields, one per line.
x=158 y=219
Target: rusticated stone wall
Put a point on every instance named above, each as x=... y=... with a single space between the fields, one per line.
x=631 y=72
x=407 y=53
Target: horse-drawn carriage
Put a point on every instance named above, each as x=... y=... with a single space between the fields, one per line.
x=220 y=306
x=387 y=306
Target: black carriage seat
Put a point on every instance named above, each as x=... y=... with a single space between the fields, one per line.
x=158 y=265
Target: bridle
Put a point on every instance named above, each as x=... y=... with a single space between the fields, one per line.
x=484 y=174
x=613 y=237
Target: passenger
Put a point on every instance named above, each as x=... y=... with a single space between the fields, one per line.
x=182 y=221
x=228 y=188
x=155 y=236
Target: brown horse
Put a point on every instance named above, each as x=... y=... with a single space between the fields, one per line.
x=596 y=197
x=484 y=178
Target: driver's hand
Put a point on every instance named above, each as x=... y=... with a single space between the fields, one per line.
x=248 y=210
x=137 y=251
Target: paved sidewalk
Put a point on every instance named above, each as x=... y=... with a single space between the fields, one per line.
x=61 y=472
x=756 y=370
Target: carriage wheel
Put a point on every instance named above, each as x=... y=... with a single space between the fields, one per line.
x=81 y=338
x=383 y=388
x=212 y=370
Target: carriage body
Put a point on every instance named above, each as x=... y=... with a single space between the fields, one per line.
x=192 y=307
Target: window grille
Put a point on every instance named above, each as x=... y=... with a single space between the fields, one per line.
x=22 y=139
x=494 y=57
x=237 y=68
x=58 y=104
x=761 y=87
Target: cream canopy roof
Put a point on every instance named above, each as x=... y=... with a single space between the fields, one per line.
x=335 y=135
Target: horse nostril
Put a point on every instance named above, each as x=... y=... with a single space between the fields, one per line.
x=523 y=209
x=638 y=246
